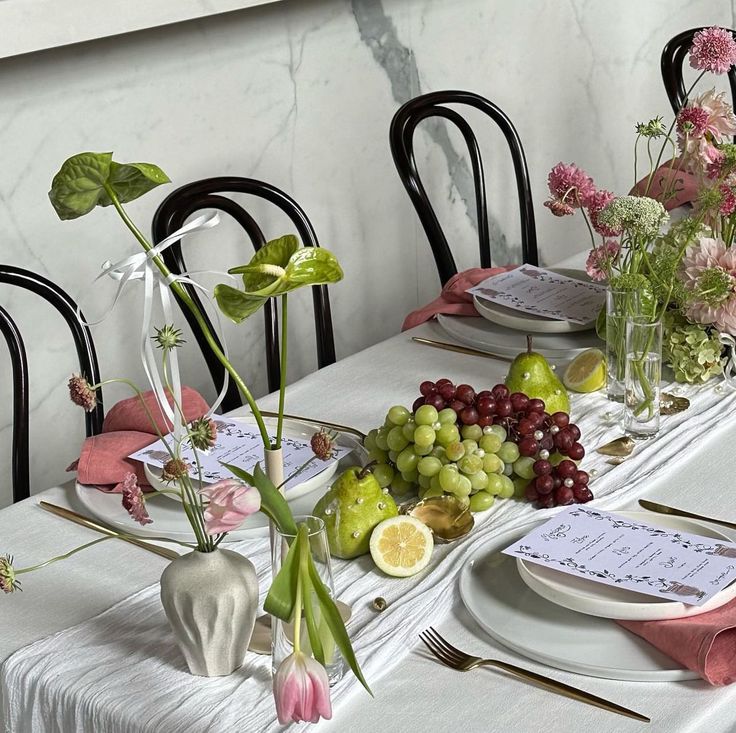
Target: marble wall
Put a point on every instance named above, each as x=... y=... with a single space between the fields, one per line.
x=301 y=93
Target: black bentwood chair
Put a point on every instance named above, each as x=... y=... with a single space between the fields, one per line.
x=87 y=364
x=206 y=194
x=401 y=136
x=673 y=58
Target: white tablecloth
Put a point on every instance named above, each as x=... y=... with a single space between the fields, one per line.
x=690 y=466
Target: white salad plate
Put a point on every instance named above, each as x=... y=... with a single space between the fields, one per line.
x=524 y=622
x=169 y=519
x=485 y=335
x=597 y=599
x=529 y=322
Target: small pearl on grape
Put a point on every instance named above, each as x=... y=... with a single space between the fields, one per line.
x=554 y=429
x=568 y=482
x=526 y=375
x=359 y=500
x=385 y=490
x=480 y=453
x=355 y=535
x=538 y=435
x=487 y=430
x=544 y=454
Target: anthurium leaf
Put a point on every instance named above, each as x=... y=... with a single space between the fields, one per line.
x=236 y=304
x=79 y=185
x=334 y=622
x=131 y=180
x=313 y=266
x=281 y=597
x=277 y=252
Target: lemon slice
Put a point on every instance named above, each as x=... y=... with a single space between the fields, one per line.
x=586 y=372
x=401 y=546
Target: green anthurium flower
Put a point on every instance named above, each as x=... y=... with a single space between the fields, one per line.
x=279 y=267
x=84 y=181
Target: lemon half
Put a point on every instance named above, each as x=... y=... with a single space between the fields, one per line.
x=586 y=372
x=401 y=546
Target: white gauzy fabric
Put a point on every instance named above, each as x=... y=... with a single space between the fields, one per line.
x=121 y=670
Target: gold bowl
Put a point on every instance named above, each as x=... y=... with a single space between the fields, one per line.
x=447 y=517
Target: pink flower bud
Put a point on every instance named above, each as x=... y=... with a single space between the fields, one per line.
x=230 y=504
x=301 y=690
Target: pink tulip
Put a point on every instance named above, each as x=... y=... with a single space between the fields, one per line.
x=230 y=504
x=302 y=690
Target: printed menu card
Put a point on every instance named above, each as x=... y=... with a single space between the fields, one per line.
x=543 y=293
x=617 y=551
x=239 y=444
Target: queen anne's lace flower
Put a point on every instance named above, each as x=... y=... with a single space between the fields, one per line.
x=713 y=49
x=639 y=216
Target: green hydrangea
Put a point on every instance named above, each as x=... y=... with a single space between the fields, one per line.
x=691 y=350
x=638 y=216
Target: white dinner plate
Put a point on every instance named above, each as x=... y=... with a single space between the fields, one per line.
x=529 y=322
x=487 y=336
x=524 y=622
x=597 y=599
x=169 y=519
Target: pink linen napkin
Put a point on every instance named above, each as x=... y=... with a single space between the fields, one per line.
x=104 y=460
x=453 y=299
x=706 y=644
x=686 y=186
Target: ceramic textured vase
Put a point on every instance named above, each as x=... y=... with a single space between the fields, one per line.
x=211 y=600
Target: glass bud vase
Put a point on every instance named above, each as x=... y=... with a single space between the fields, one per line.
x=282 y=633
x=620 y=305
x=643 y=375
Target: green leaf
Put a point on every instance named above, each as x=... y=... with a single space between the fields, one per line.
x=315 y=642
x=79 y=185
x=281 y=597
x=334 y=621
x=236 y=304
x=276 y=252
x=241 y=473
x=131 y=180
x=313 y=266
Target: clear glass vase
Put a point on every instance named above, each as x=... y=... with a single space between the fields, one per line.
x=282 y=633
x=643 y=375
x=620 y=305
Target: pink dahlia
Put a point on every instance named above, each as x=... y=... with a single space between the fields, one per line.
x=601 y=258
x=700 y=150
x=596 y=202
x=709 y=273
x=713 y=49
x=230 y=503
x=570 y=185
x=133 y=501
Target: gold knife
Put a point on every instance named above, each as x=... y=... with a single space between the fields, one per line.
x=460 y=349
x=654 y=506
x=72 y=516
x=323 y=423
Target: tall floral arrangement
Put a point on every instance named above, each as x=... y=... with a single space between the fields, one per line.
x=684 y=274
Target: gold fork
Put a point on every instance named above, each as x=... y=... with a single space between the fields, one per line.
x=456 y=659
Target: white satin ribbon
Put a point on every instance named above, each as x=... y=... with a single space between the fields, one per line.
x=728 y=362
x=141 y=266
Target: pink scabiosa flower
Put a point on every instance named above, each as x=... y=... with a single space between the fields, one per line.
x=601 y=258
x=8 y=582
x=709 y=275
x=301 y=690
x=174 y=469
x=202 y=433
x=230 y=504
x=708 y=120
x=596 y=202
x=81 y=392
x=692 y=121
x=713 y=50
x=133 y=501
x=323 y=444
x=728 y=200
x=559 y=208
x=569 y=185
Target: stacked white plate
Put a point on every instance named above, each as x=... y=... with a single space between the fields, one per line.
x=567 y=622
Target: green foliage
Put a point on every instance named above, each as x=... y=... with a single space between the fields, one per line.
x=86 y=180
x=692 y=350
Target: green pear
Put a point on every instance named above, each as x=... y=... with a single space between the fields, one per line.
x=351 y=509
x=531 y=374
